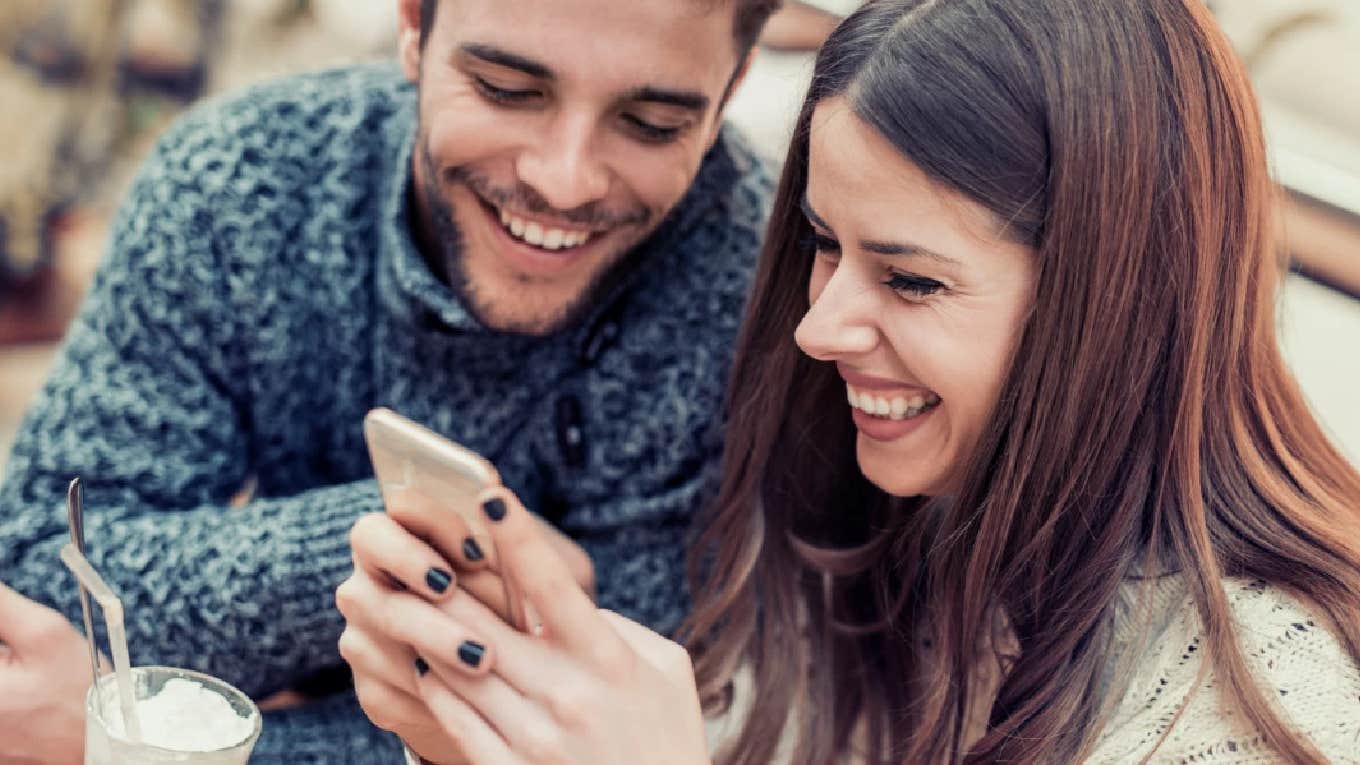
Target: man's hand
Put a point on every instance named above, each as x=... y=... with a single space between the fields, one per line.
x=44 y=676
x=404 y=561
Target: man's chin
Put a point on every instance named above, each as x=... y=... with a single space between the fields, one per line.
x=524 y=309
x=504 y=300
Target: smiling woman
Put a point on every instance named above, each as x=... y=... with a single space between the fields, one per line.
x=1076 y=508
x=917 y=295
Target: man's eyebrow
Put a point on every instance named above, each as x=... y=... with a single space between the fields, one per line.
x=890 y=249
x=689 y=100
x=685 y=99
x=500 y=57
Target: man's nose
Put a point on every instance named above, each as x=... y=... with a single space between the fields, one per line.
x=565 y=168
x=840 y=323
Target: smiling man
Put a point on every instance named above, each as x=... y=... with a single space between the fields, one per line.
x=554 y=138
x=533 y=236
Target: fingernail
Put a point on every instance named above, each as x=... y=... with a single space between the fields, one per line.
x=494 y=509
x=438 y=579
x=471 y=550
x=471 y=653
x=421 y=666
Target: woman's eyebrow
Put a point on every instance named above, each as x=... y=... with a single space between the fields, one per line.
x=891 y=249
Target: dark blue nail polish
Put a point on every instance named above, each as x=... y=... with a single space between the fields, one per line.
x=471 y=653
x=471 y=550
x=438 y=579
x=494 y=509
x=421 y=666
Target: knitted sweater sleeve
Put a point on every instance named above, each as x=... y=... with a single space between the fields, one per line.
x=146 y=404
x=332 y=731
x=1176 y=710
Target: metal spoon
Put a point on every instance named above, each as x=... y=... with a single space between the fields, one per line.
x=76 y=508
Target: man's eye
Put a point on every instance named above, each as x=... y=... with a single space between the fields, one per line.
x=503 y=95
x=912 y=287
x=650 y=132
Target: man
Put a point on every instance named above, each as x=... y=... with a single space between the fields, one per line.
x=537 y=242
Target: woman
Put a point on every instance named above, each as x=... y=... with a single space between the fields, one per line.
x=1076 y=508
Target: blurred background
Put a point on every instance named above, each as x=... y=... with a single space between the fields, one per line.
x=87 y=85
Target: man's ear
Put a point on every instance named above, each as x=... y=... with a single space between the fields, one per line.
x=737 y=79
x=408 y=38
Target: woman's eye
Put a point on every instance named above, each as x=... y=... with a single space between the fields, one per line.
x=649 y=132
x=503 y=95
x=912 y=287
x=826 y=247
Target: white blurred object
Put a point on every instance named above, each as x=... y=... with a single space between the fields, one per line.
x=838 y=7
x=1319 y=331
x=765 y=106
x=369 y=25
x=260 y=11
x=1312 y=157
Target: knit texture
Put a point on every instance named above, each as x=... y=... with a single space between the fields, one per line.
x=261 y=293
x=1170 y=714
x=1174 y=714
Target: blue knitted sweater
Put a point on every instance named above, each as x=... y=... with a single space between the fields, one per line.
x=261 y=292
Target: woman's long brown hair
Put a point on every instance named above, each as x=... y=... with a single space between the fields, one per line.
x=1148 y=421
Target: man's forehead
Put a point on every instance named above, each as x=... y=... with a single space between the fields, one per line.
x=631 y=43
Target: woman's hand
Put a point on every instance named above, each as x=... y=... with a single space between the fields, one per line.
x=591 y=687
x=402 y=565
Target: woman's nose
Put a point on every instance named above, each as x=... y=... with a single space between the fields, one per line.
x=840 y=323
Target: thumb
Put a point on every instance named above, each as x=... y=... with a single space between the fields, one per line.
x=25 y=624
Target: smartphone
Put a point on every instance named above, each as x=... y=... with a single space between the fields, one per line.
x=408 y=457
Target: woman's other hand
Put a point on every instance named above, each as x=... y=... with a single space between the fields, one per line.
x=407 y=561
x=590 y=687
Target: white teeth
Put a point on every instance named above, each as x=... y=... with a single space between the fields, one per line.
x=539 y=236
x=896 y=408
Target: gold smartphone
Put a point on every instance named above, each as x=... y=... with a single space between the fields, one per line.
x=407 y=457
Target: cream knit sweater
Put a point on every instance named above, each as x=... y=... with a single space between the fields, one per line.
x=1296 y=659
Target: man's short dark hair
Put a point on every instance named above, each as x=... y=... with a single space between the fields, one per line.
x=747 y=23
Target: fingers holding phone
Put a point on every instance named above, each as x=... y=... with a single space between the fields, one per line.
x=391 y=604
x=434 y=489
x=388 y=551
x=591 y=687
x=467 y=547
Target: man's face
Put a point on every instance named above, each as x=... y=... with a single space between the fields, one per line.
x=554 y=136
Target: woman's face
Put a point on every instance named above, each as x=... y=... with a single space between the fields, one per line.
x=917 y=299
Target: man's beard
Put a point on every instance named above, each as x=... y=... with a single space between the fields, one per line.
x=448 y=245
